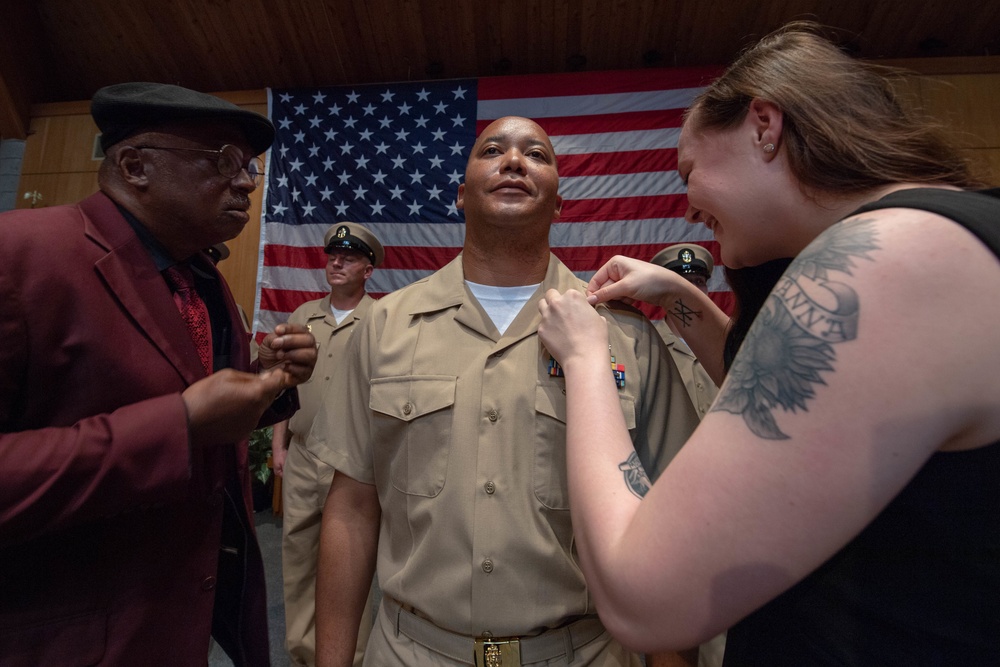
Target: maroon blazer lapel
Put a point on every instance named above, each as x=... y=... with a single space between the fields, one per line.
x=239 y=344
x=130 y=275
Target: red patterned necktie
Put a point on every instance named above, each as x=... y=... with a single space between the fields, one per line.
x=193 y=311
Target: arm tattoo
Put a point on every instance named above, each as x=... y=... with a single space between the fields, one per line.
x=682 y=313
x=792 y=339
x=636 y=478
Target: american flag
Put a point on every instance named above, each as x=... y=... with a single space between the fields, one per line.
x=391 y=157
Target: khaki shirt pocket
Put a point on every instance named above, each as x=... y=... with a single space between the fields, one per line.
x=412 y=422
x=551 y=486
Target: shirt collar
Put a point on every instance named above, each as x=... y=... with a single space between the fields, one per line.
x=161 y=258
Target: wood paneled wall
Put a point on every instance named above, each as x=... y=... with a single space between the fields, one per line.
x=58 y=162
x=970 y=105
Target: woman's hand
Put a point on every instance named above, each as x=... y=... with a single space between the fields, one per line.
x=628 y=279
x=571 y=329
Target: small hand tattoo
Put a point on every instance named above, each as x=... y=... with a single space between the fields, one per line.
x=636 y=478
x=683 y=314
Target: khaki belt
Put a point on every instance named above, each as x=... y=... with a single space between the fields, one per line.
x=495 y=651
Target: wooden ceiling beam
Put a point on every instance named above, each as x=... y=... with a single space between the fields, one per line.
x=66 y=49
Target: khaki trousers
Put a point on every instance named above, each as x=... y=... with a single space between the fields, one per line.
x=304 y=486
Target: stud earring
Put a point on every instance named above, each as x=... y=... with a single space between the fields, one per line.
x=768 y=148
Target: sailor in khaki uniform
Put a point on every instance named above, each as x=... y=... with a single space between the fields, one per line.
x=353 y=252
x=447 y=430
x=694 y=262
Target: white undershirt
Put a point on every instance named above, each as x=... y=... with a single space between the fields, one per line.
x=502 y=304
x=338 y=314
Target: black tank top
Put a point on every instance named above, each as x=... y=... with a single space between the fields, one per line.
x=920 y=585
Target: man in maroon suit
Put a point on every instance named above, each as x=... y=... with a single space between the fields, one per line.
x=127 y=395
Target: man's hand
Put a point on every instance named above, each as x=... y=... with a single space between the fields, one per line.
x=292 y=349
x=278 y=461
x=226 y=406
x=280 y=439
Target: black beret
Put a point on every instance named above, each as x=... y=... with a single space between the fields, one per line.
x=125 y=109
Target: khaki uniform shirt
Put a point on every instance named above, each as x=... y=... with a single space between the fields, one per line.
x=332 y=340
x=699 y=385
x=462 y=431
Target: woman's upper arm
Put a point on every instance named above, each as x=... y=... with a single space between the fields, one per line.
x=874 y=350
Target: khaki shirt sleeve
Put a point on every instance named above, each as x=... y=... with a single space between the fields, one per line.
x=665 y=417
x=340 y=435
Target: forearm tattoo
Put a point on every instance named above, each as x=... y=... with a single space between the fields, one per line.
x=791 y=341
x=636 y=478
x=683 y=314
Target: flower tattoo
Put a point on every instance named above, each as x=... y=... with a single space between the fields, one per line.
x=791 y=342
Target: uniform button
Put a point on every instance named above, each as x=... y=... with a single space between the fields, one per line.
x=330 y=356
x=493 y=415
x=327 y=378
x=408 y=408
x=491 y=487
x=497 y=355
x=208 y=583
x=487 y=566
x=487 y=634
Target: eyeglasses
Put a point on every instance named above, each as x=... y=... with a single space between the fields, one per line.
x=229 y=160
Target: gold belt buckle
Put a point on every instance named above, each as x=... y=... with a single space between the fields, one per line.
x=492 y=652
